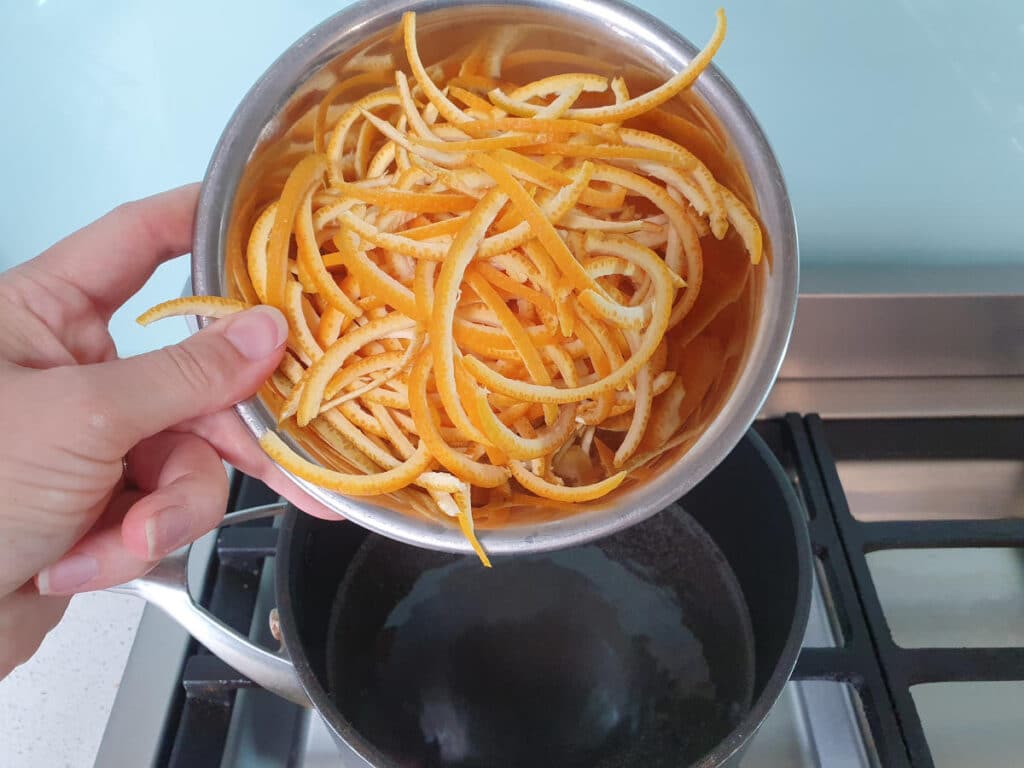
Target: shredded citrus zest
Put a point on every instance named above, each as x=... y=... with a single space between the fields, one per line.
x=495 y=288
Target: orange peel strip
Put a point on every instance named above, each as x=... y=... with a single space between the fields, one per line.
x=471 y=100
x=412 y=114
x=435 y=229
x=545 y=441
x=416 y=202
x=300 y=336
x=425 y=418
x=654 y=98
x=310 y=259
x=306 y=176
x=538 y=393
x=446 y=292
x=336 y=146
x=621 y=316
x=743 y=221
x=376 y=484
x=443 y=104
x=520 y=338
x=203 y=306
x=382 y=160
x=538 y=223
x=256 y=250
x=331 y=323
x=372 y=278
x=546 y=490
x=641 y=417
x=317 y=376
x=395 y=435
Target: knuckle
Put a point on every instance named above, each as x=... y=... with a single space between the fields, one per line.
x=189 y=370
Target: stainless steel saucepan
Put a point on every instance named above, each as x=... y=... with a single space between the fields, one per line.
x=611 y=26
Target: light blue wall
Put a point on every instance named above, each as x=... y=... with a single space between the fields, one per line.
x=900 y=125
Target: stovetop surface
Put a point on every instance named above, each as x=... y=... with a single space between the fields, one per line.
x=914 y=653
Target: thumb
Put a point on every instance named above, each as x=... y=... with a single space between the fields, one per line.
x=221 y=365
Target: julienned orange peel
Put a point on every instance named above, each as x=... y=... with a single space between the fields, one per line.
x=478 y=278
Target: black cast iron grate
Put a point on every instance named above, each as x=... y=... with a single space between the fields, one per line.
x=199 y=720
x=901 y=668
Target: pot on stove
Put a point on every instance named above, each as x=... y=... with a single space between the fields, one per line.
x=665 y=644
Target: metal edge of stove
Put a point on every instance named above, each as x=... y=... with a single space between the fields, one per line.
x=151 y=678
x=904 y=355
x=827 y=707
x=889 y=373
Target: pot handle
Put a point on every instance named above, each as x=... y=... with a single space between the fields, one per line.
x=166 y=587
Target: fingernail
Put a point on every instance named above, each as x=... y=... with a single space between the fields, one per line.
x=67 y=575
x=257 y=332
x=166 y=531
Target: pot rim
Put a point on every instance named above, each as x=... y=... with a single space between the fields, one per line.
x=764 y=357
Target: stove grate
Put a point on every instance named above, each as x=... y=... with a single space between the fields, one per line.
x=865 y=656
x=912 y=439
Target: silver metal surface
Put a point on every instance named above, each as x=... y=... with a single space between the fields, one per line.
x=907 y=336
x=618 y=24
x=880 y=489
x=265 y=729
x=892 y=355
x=972 y=724
x=151 y=680
x=893 y=398
x=820 y=719
x=166 y=587
x=254 y=513
x=952 y=598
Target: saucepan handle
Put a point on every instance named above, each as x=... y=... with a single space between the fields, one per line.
x=166 y=587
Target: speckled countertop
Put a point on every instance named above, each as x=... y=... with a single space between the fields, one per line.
x=53 y=709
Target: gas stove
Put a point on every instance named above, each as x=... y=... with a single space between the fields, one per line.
x=900 y=422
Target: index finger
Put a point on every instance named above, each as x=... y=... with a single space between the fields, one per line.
x=110 y=259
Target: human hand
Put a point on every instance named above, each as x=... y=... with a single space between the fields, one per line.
x=71 y=514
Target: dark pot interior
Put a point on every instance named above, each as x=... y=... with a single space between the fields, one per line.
x=665 y=644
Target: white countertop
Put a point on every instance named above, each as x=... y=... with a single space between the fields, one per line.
x=900 y=127
x=54 y=708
